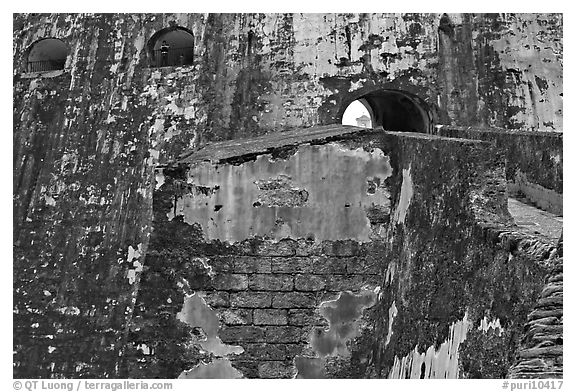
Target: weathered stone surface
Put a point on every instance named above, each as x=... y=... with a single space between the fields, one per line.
x=232 y=282
x=541 y=352
x=539 y=314
x=292 y=265
x=251 y=299
x=236 y=316
x=238 y=334
x=330 y=265
x=252 y=265
x=550 y=301
x=270 y=317
x=293 y=300
x=309 y=282
x=305 y=317
x=344 y=283
x=269 y=282
x=271 y=351
x=217 y=299
x=284 y=334
x=276 y=369
x=91 y=177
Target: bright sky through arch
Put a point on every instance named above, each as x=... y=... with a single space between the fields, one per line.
x=354 y=111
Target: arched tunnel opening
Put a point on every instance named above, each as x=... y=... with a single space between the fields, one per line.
x=393 y=110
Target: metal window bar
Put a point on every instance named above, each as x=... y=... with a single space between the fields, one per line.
x=173 y=57
x=45 y=65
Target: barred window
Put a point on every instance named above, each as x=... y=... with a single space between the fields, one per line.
x=173 y=46
x=47 y=54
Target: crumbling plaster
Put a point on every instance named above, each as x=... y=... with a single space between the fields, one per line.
x=256 y=198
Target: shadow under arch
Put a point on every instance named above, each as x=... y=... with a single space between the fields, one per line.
x=46 y=54
x=395 y=110
x=180 y=47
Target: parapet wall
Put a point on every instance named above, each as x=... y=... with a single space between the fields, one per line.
x=534 y=161
x=460 y=281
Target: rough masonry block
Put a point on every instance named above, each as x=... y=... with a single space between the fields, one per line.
x=286 y=247
x=346 y=282
x=216 y=299
x=329 y=266
x=251 y=299
x=249 y=369
x=293 y=300
x=270 y=317
x=244 y=333
x=306 y=317
x=309 y=282
x=236 y=316
x=264 y=351
x=231 y=282
x=276 y=369
x=308 y=247
x=284 y=334
x=359 y=265
x=291 y=265
x=341 y=248
x=252 y=265
x=270 y=282
x=221 y=263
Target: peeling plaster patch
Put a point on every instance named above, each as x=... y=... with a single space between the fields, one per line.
x=49 y=200
x=189 y=112
x=356 y=85
x=390 y=270
x=144 y=348
x=218 y=368
x=342 y=314
x=557 y=158
x=320 y=189
x=171 y=132
x=159 y=178
x=536 y=64
x=134 y=254
x=34 y=84
x=406 y=194
x=154 y=155
x=440 y=363
x=392 y=313
x=131 y=275
x=485 y=325
x=204 y=262
x=196 y=313
x=69 y=310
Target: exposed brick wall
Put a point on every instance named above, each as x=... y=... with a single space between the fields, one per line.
x=265 y=294
x=269 y=304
